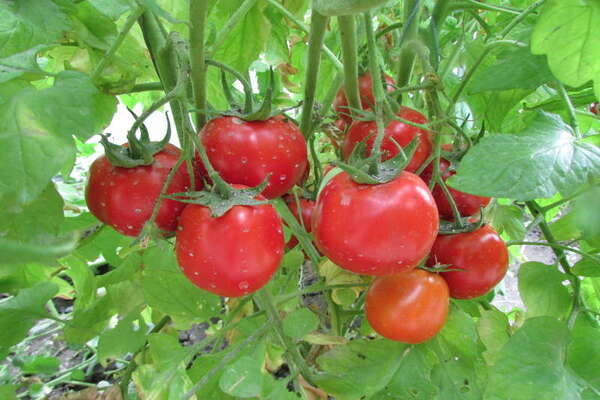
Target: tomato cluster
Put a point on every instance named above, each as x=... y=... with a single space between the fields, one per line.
x=387 y=230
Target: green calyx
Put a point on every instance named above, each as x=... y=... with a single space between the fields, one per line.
x=223 y=197
x=139 y=151
x=462 y=226
x=370 y=170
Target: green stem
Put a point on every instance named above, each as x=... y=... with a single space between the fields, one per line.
x=266 y=302
x=555 y=246
x=163 y=192
x=317 y=34
x=226 y=359
x=131 y=19
x=145 y=87
x=347 y=26
x=483 y=6
x=167 y=98
x=564 y=200
x=338 y=65
x=570 y=108
x=221 y=36
x=411 y=13
x=245 y=83
x=331 y=93
x=536 y=210
x=520 y=17
x=198 y=11
x=488 y=48
x=124 y=385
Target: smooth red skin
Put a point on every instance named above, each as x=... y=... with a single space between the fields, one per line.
x=399 y=131
x=467 y=204
x=232 y=255
x=124 y=197
x=245 y=152
x=482 y=256
x=306 y=209
x=594 y=108
x=375 y=229
x=409 y=307
x=367 y=98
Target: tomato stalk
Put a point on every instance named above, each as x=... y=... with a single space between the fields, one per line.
x=131 y=19
x=570 y=108
x=347 y=26
x=410 y=31
x=245 y=84
x=465 y=4
x=198 y=11
x=519 y=18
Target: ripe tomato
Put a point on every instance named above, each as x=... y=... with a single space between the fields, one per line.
x=409 y=307
x=367 y=99
x=468 y=204
x=124 y=197
x=481 y=255
x=245 y=152
x=306 y=210
x=594 y=108
x=231 y=255
x=375 y=229
x=399 y=131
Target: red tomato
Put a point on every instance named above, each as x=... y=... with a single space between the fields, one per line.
x=245 y=152
x=481 y=255
x=232 y=255
x=365 y=89
x=468 y=204
x=124 y=197
x=306 y=209
x=375 y=229
x=409 y=307
x=594 y=108
x=399 y=131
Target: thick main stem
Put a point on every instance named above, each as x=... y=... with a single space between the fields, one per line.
x=350 y=60
x=409 y=33
x=198 y=10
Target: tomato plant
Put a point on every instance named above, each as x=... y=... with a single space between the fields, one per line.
x=467 y=204
x=124 y=198
x=479 y=257
x=246 y=152
x=231 y=255
x=398 y=131
x=387 y=228
x=409 y=307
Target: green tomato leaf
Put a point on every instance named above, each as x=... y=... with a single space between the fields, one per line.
x=18 y=314
x=168 y=290
x=509 y=219
x=542 y=290
x=587 y=267
x=8 y=392
x=300 y=322
x=532 y=72
x=567 y=32
x=28 y=23
x=24 y=63
x=531 y=364
x=83 y=280
x=243 y=378
x=542 y=160
x=36 y=129
x=41 y=365
x=128 y=336
x=201 y=366
x=493 y=329
x=360 y=369
x=583 y=352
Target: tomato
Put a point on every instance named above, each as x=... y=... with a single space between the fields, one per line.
x=409 y=307
x=467 y=204
x=306 y=210
x=399 y=131
x=246 y=152
x=367 y=98
x=594 y=108
x=375 y=229
x=481 y=255
x=124 y=197
x=231 y=255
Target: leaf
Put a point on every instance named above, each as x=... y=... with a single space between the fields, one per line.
x=509 y=219
x=41 y=365
x=16 y=65
x=530 y=365
x=493 y=329
x=243 y=378
x=587 y=267
x=532 y=72
x=168 y=290
x=542 y=160
x=27 y=23
x=128 y=336
x=494 y=107
x=583 y=352
x=300 y=322
x=361 y=368
x=542 y=291
x=8 y=392
x=18 y=314
x=36 y=129
x=566 y=32
x=201 y=366
x=83 y=280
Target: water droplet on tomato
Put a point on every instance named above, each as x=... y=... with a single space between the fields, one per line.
x=246 y=229
x=102 y=204
x=191 y=254
x=244 y=285
x=282 y=177
x=130 y=227
x=137 y=210
x=244 y=160
x=212 y=286
x=196 y=273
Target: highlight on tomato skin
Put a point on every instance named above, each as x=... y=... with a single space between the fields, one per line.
x=375 y=229
x=409 y=307
x=124 y=198
x=481 y=256
x=232 y=255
